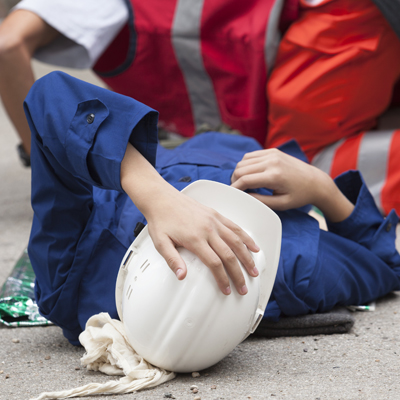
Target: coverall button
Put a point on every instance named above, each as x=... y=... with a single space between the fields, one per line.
x=388 y=227
x=185 y=179
x=90 y=118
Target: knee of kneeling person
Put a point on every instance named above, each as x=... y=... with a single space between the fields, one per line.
x=22 y=33
x=12 y=45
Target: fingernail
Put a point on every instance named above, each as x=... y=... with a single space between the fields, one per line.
x=179 y=273
x=255 y=271
x=257 y=248
x=243 y=290
x=228 y=290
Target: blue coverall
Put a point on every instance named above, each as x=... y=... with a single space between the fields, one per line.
x=84 y=222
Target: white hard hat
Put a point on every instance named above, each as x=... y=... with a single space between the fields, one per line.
x=189 y=325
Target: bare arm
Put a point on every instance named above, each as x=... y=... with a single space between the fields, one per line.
x=294 y=183
x=177 y=220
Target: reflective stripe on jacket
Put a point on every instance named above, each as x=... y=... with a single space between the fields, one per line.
x=211 y=55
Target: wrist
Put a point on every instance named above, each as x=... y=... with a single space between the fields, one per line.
x=150 y=195
x=157 y=199
x=331 y=201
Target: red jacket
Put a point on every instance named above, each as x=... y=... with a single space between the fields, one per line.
x=213 y=56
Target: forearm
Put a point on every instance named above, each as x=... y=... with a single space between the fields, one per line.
x=335 y=206
x=143 y=184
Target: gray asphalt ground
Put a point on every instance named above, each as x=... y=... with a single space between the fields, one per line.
x=363 y=364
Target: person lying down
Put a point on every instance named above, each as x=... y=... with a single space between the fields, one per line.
x=97 y=172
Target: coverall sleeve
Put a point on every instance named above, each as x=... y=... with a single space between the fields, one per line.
x=87 y=128
x=366 y=225
x=357 y=259
x=79 y=137
x=355 y=262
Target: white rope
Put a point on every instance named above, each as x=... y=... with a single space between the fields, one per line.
x=108 y=350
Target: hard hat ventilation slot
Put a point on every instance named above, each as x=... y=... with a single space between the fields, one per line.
x=128 y=257
x=144 y=265
x=129 y=292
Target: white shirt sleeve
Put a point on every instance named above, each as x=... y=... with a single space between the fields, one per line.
x=87 y=28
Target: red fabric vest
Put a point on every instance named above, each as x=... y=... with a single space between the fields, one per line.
x=197 y=62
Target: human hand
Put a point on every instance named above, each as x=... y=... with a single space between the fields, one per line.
x=175 y=219
x=294 y=183
x=179 y=221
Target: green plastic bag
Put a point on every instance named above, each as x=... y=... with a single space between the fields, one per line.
x=17 y=296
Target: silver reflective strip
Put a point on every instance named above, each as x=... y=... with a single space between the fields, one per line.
x=373 y=159
x=314 y=2
x=272 y=34
x=324 y=159
x=187 y=46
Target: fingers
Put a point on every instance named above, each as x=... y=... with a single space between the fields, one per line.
x=258 y=153
x=230 y=244
x=216 y=265
x=255 y=156
x=222 y=261
x=266 y=162
x=253 y=181
x=248 y=168
x=229 y=263
x=234 y=246
x=215 y=240
x=234 y=243
x=220 y=253
x=168 y=251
